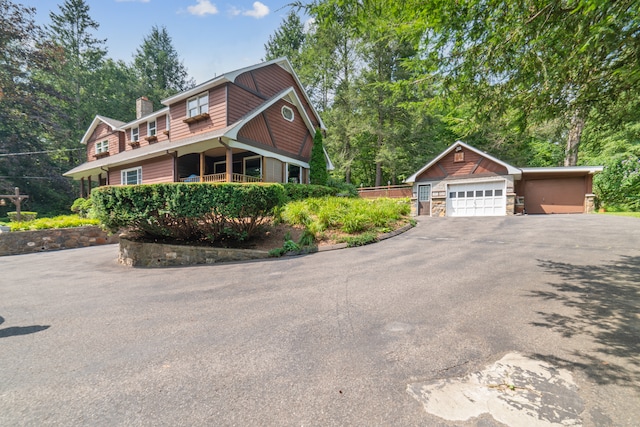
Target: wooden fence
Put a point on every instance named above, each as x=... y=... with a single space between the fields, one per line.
x=392 y=191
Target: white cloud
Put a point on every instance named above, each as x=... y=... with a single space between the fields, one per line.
x=204 y=7
x=259 y=10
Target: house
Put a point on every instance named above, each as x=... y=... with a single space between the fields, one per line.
x=255 y=124
x=464 y=181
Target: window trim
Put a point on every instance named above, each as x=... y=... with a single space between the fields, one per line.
x=102 y=147
x=287 y=108
x=123 y=173
x=155 y=128
x=199 y=106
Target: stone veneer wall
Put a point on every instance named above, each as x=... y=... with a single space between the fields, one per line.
x=439 y=206
x=589 y=203
x=511 y=203
x=53 y=239
x=140 y=254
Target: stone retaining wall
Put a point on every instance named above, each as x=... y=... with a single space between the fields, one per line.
x=53 y=239
x=139 y=254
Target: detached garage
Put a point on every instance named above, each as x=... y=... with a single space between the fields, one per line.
x=464 y=181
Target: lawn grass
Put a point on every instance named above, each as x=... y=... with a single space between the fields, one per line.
x=355 y=221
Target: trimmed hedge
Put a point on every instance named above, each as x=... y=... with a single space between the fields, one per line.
x=296 y=192
x=188 y=211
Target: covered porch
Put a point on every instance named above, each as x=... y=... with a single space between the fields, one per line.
x=237 y=164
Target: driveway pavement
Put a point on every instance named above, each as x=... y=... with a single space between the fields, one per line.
x=530 y=320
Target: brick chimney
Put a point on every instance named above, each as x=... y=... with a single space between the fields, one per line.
x=143 y=107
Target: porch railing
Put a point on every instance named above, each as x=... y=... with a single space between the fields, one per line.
x=222 y=177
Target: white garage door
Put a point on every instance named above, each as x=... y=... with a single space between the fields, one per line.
x=477 y=199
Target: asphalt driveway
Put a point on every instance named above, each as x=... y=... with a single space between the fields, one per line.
x=358 y=336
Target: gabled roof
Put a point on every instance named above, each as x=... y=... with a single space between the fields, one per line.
x=231 y=76
x=112 y=123
x=289 y=95
x=146 y=118
x=144 y=152
x=511 y=170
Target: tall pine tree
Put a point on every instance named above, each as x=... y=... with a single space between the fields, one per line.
x=159 y=67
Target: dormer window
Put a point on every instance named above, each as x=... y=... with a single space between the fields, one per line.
x=151 y=128
x=198 y=105
x=135 y=134
x=287 y=113
x=102 y=147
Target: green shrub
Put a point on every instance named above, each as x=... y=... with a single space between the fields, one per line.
x=618 y=185
x=24 y=216
x=305 y=191
x=61 y=221
x=188 y=211
x=349 y=215
x=83 y=207
x=318 y=163
x=344 y=189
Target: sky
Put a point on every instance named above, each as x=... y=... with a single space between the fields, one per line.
x=210 y=36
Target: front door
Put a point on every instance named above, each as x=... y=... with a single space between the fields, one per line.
x=424 y=199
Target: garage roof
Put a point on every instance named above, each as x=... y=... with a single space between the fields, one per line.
x=510 y=169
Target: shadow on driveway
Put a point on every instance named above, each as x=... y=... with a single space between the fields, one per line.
x=606 y=299
x=20 y=330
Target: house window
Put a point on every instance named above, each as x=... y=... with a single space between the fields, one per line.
x=253 y=166
x=287 y=113
x=198 y=105
x=424 y=193
x=131 y=176
x=151 y=128
x=458 y=156
x=294 y=173
x=135 y=134
x=167 y=122
x=102 y=147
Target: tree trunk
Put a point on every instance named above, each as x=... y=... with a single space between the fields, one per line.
x=573 y=140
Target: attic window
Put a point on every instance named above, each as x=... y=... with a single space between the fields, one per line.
x=287 y=113
x=198 y=105
x=102 y=147
x=458 y=156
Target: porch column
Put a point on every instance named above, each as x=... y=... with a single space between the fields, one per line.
x=201 y=166
x=229 y=160
x=82 y=187
x=89 y=190
x=99 y=179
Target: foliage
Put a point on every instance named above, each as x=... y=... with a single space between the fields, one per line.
x=83 y=207
x=24 y=216
x=360 y=239
x=186 y=211
x=619 y=183
x=159 y=68
x=348 y=215
x=289 y=246
x=318 y=164
x=344 y=189
x=304 y=191
x=61 y=221
x=29 y=114
x=287 y=40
